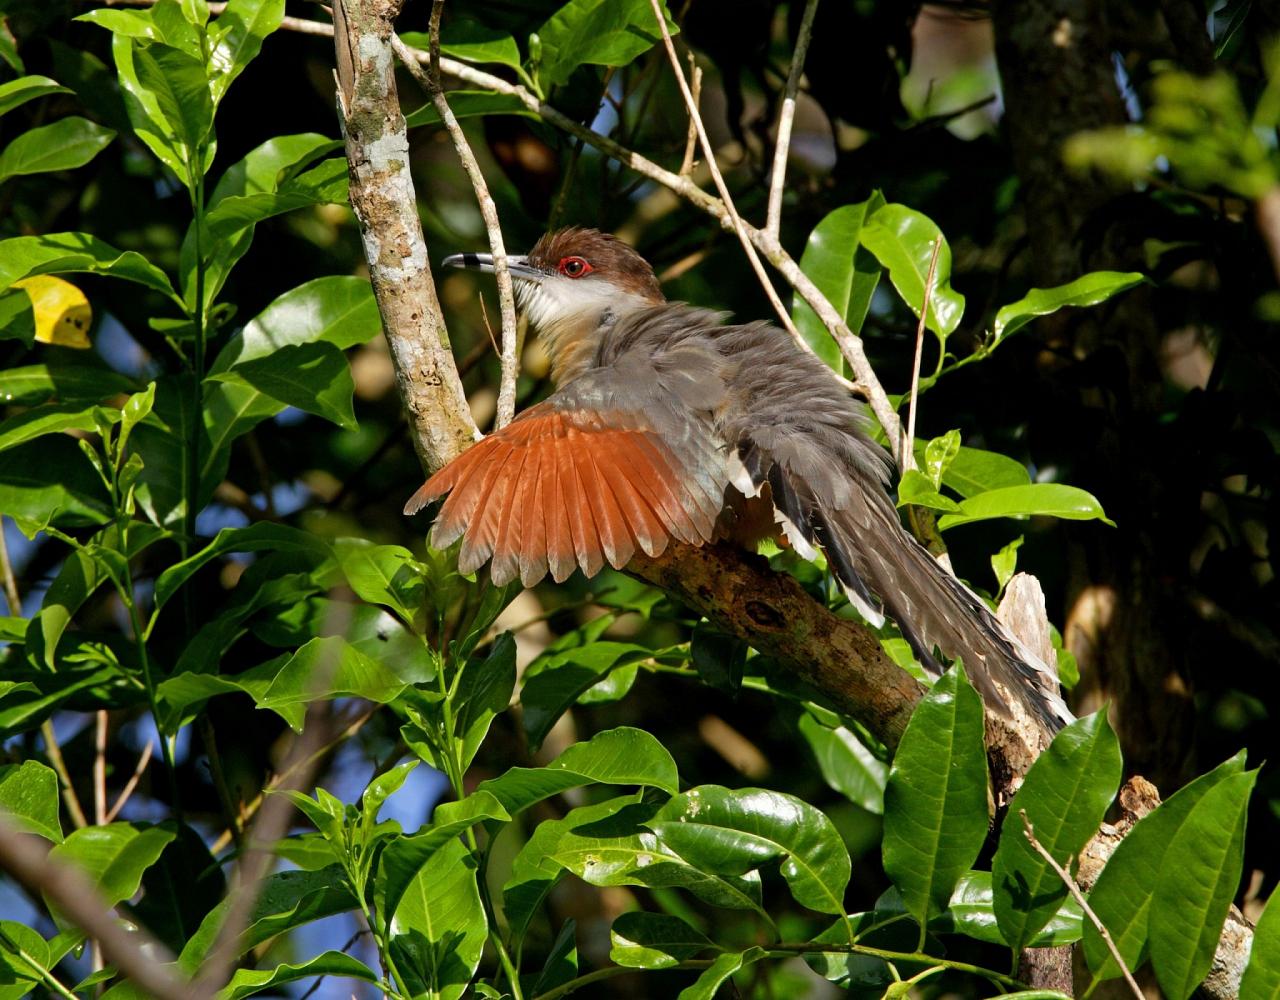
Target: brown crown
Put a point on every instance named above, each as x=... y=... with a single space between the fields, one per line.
x=611 y=259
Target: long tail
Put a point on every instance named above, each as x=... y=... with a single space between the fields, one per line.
x=868 y=548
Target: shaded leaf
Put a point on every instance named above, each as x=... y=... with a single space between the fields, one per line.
x=556 y=681
x=654 y=941
x=64 y=253
x=709 y=982
x=902 y=240
x=314 y=377
x=247 y=982
x=846 y=763
x=972 y=912
x=598 y=33
x=242 y=27
x=470 y=41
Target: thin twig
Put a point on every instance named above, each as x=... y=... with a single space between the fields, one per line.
x=54 y=752
x=431 y=84
x=691 y=140
x=99 y=803
x=786 y=117
x=10 y=582
x=133 y=951
x=723 y=188
x=143 y=760
x=908 y=459
x=1078 y=896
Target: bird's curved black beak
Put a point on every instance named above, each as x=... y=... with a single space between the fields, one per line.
x=519 y=266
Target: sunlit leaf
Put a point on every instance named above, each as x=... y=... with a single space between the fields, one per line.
x=1034 y=499
x=902 y=240
x=597 y=32
x=63 y=145
x=1088 y=290
x=29 y=798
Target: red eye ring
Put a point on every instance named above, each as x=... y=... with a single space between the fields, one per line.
x=574 y=267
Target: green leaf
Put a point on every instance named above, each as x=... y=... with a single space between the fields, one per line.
x=469 y=41
x=622 y=756
x=247 y=982
x=597 y=33
x=1005 y=562
x=469 y=104
x=9 y=46
x=561 y=965
x=385 y=575
x=16 y=93
x=313 y=377
x=29 y=385
x=438 y=929
x=972 y=912
x=24 y=958
x=1088 y=290
x=484 y=691
x=846 y=763
x=322 y=184
x=64 y=145
x=1202 y=871
x=939 y=454
x=51 y=482
x=67 y=253
x=731 y=832
x=1262 y=975
x=712 y=978
x=844 y=271
x=114 y=856
x=29 y=797
x=1065 y=794
x=1034 y=499
x=162 y=440
x=973 y=471
x=556 y=681
x=1123 y=893
x=403 y=859
x=17 y=317
x=180 y=889
x=654 y=941
x=179 y=85
x=243 y=26
x=718 y=657
x=902 y=240
x=287 y=900
x=338 y=309
x=935 y=803
x=52 y=418
x=915 y=488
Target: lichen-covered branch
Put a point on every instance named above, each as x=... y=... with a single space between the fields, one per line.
x=383 y=198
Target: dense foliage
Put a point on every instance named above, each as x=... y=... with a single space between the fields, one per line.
x=583 y=788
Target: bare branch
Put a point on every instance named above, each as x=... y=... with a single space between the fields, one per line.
x=430 y=82
x=691 y=140
x=786 y=116
x=908 y=460
x=383 y=199
x=144 y=759
x=1078 y=896
x=137 y=955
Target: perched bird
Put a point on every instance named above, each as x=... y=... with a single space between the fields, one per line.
x=668 y=423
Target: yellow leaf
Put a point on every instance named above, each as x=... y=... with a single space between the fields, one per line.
x=62 y=313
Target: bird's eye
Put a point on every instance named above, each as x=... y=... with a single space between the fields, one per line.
x=574 y=267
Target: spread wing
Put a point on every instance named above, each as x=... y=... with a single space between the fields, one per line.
x=594 y=474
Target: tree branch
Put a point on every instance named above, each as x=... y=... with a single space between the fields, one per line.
x=383 y=199
x=786 y=116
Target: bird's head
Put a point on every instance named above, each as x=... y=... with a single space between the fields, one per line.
x=572 y=285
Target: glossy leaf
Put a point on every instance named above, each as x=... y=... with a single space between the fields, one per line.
x=242 y=27
x=622 y=756
x=469 y=104
x=844 y=271
x=338 y=309
x=916 y=489
x=1191 y=900
x=902 y=240
x=29 y=798
x=1262 y=975
x=63 y=145
x=264 y=536
x=247 y=982
x=846 y=763
x=15 y=93
x=469 y=41
x=17 y=316
x=972 y=470
x=180 y=889
x=403 y=859
x=52 y=418
x=935 y=802
x=385 y=575
x=51 y=482
x=1005 y=563
x=654 y=941
x=598 y=33
x=731 y=832
x=1087 y=290
x=29 y=385
x=484 y=692
x=1065 y=794
x=972 y=912
x=24 y=958
x=64 y=253
x=313 y=377
x=554 y=683
x=1034 y=499
x=438 y=929
x=1124 y=891
x=178 y=84
x=709 y=982
x=325 y=183
x=114 y=856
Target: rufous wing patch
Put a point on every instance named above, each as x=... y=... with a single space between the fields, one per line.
x=558 y=490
